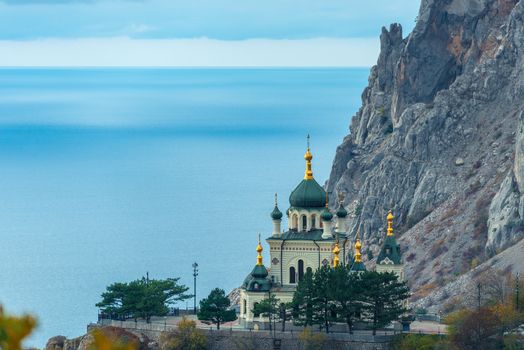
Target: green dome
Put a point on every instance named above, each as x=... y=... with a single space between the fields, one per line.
x=257 y=280
x=276 y=214
x=342 y=212
x=326 y=215
x=308 y=194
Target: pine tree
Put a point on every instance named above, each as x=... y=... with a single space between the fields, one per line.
x=345 y=290
x=323 y=307
x=303 y=299
x=215 y=308
x=383 y=298
x=269 y=307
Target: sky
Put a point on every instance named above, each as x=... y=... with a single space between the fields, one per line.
x=197 y=32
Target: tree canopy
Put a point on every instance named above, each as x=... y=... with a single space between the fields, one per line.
x=215 y=308
x=142 y=298
x=339 y=295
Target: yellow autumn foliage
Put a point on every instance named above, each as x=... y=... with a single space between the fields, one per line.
x=13 y=330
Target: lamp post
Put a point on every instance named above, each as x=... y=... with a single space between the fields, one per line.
x=517 y=292
x=195 y=274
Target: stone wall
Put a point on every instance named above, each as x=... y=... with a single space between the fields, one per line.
x=253 y=340
x=227 y=340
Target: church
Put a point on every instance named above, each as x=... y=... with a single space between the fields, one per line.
x=314 y=237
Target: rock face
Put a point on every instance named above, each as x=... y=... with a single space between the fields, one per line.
x=440 y=140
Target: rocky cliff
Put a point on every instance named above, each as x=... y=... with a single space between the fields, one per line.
x=440 y=140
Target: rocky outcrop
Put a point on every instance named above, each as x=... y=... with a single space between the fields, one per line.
x=439 y=139
x=86 y=341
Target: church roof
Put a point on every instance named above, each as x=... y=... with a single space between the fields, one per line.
x=390 y=250
x=292 y=235
x=308 y=194
x=257 y=280
x=358 y=266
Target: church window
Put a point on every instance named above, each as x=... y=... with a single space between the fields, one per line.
x=300 y=270
x=244 y=306
x=304 y=223
x=292 y=277
x=256 y=314
x=309 y=270
x=313 y=221
x=295 y=221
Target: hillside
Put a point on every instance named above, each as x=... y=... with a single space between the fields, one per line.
x=440 y=140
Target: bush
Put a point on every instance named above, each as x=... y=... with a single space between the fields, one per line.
x=419 y=342
x=185 y=337
x=310 y=340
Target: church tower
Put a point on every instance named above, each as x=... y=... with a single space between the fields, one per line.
x=390 y=257
x=254 y=289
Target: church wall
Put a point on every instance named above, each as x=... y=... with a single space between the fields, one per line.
x=397 y=269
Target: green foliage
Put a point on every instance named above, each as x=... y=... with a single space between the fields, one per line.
x=344 y=292
x=269 y=307
x=358 y=210
x=513 y=342
x=215 y=308
x=185 y=337
x=142 y=298
x=303 y=300
x=383 y=297
x=322 y=301
x=419 y=342
x=338 y=295
x=310 y=340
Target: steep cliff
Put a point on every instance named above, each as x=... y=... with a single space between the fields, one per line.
x=440 y=140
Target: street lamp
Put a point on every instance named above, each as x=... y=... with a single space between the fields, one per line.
x=195 y=274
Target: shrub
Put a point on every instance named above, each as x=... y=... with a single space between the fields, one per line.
x=419 y=342
x=310 y=340
x=185 y=337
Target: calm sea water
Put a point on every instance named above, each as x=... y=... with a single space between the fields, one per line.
x=109 y=174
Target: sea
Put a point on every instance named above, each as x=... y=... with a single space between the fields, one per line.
x=109 y=174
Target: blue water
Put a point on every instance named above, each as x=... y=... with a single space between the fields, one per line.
x=109 y=174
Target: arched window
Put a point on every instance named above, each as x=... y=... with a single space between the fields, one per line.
x=256 y=313
x=300 y=270
x=309 y=270
x=245 y=306
x=304 y=223
x=292 y=277
x=295 y=222
x=313 y=221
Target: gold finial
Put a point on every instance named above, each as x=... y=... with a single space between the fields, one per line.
x=390 y=223
x=259 y=251
x=336 y=251
x=358 y=246
x=308 y=156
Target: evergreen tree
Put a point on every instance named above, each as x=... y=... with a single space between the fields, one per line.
x=268 y=307
x=383 y=297
x=215 y=308
x=323 y=307
x=142 y=298
x=303 y=299
x=285 y=313
x=345 y=290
